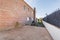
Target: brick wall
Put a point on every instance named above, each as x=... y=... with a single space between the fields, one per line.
x=12 y=11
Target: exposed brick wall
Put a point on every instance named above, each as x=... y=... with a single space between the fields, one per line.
x=12 y=11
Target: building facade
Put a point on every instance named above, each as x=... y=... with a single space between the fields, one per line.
x=12 y=11
x=53 y=18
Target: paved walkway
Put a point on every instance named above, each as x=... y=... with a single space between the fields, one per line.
x=26 y=33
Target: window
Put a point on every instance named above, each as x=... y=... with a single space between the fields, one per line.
x=28 y=9
x=27 y=18
x=24 y=7
x=32 y=19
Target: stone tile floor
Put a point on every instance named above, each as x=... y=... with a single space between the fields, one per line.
x=25 y=33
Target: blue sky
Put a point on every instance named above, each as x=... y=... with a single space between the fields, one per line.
x=44 y=6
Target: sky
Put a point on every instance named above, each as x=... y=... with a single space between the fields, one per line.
x=44 y=7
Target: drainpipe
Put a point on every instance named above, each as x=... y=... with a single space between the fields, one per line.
x=34 y=14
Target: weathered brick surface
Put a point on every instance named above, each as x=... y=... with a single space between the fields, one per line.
x=12 y=11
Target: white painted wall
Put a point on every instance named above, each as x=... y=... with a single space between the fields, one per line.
x=53 y=30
